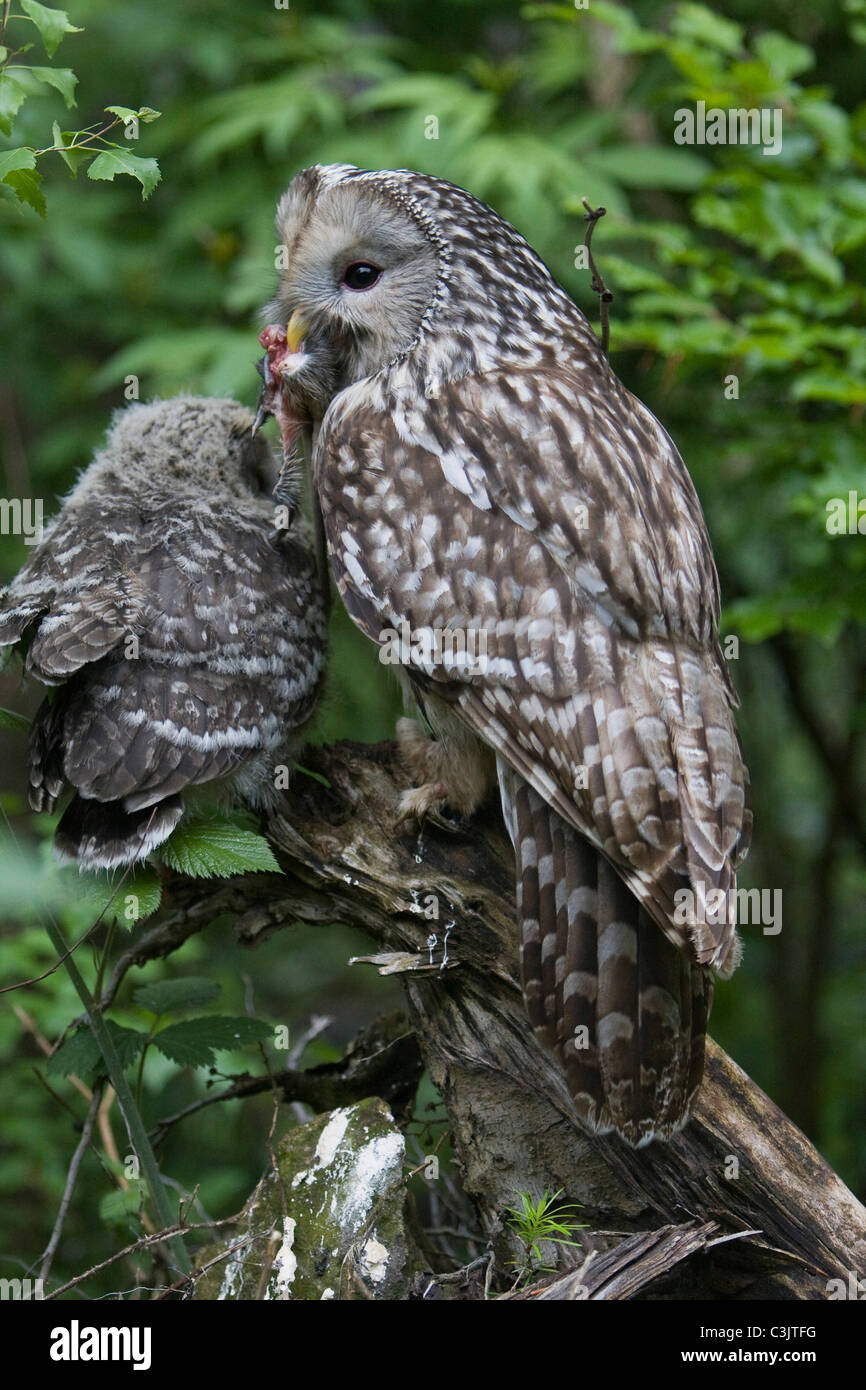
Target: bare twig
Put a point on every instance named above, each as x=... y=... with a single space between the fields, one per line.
x=71 y=1178
x=318 y=1024
x=202 y=1269
x=605 y=296
x=145 y=1243
x=461 y=1276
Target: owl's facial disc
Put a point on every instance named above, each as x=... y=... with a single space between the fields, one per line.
x=360 y=271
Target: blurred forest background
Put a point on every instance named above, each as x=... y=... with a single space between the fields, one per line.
x=725 y=263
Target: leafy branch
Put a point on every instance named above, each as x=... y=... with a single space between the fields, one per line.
x=105 y=158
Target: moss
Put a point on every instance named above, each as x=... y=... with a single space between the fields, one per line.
x=331 y=1225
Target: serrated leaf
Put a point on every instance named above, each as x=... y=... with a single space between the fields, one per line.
x=26 y=183
x=172 y=996
x=125 y=899
x=8 y=718
x=52 y=24
x=11 y=160
x=139 y=897
x=109 y=163
x=12 y=96
x=144 y=114
x=193 y=1043
x=79 y=1053
x=62 y=80
x=217 y=849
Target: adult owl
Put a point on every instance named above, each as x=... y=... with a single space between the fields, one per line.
x=480 y=470
x=185 y=634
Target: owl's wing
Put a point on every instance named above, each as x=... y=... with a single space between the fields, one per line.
x=223 y=654
x=136 y=733
x=564 y=529
x=80 y=586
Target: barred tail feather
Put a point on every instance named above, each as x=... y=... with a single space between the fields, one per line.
x=102 y=835
x=623 y=1009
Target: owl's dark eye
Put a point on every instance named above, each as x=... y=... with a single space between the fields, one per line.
x=361 y=275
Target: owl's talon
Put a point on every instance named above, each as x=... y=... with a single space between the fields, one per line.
x=416 y=804
x=448 y=821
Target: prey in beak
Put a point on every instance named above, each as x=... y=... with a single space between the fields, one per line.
x=283 y=396
x=284 y=358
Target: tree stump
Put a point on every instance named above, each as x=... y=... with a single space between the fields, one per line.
x=739 y=1206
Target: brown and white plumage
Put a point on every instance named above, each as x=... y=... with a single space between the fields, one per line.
x=481 y=468
x=186 y=636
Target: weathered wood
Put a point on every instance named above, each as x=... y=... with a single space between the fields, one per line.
x=740 y=1166
x=629 y=1267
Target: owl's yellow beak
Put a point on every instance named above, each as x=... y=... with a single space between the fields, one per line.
x=296 y=330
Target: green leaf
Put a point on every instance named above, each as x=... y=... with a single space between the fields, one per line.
x=79 y=1053
x=783 y=57
x=26 y=184
x=12 y=160
x=62 y=79
x=144 y=114
x=115 y=1207
x=630 y=37
x=8 y=718
x=194 y=1042
x=701 y=25
x=823 y=385
x=110 y=163
x=172 y=996
x=124 y=112
x=12 y=97
x=72 y=158
x=139 y=897
x=217 y=849
x=52 y=24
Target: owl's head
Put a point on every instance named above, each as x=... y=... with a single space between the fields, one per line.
x=185 y=443
x=359 y=273
x=391 y=267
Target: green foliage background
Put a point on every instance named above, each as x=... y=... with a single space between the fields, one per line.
x=724 y=262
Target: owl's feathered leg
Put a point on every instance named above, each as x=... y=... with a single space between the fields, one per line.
x=623 y=1009
x=453 y=768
